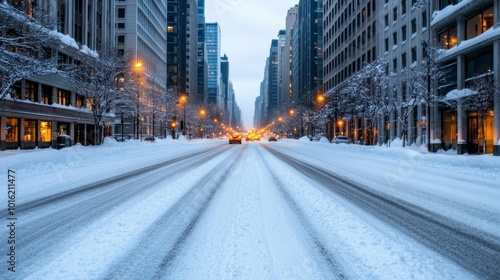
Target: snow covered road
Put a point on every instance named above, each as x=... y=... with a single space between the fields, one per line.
x=286 y=210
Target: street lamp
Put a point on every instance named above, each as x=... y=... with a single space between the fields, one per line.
x=340 y=123
x=320 y=99
x=202 y=116
x=137 y=68
x=182 y=101
x=121 y=120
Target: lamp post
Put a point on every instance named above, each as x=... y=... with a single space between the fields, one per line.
x=202 y=117
x=138 y=67
x=121 y=120
x=320 y=98
x=182 y=101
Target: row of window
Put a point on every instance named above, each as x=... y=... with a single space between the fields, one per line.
x=361 y=18
x=63 y=96
x=12 y=130
x=348 y=70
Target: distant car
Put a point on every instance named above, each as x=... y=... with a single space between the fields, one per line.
x=149 y=139
x=235 y=138
x=341 y=140
x=273 y=138
x=253 y=137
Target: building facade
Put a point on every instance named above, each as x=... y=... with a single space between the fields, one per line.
x=141 y=30
x=308 y=50
x=286 y=70
x=350 y=42
x=471 y=43
x=42 y=108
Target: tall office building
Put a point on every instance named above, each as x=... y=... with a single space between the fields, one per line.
x=308 y=50
x=224 y=97
x=286 y=88
x=182 y=47
x=140 y=28
x=281 y=46
x=273 y=90
x=202 y=58
x=351 y=39
x=212 y=43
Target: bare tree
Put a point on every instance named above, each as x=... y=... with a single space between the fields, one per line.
x=24 y=49
x=98 y=80
x=367 y=92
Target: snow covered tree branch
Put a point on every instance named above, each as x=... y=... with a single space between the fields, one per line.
x=100 y=80
x=24 y=49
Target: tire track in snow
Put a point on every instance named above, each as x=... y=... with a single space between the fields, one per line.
x=169 y=233
x=49 y=223
x=475 y=251
x=326 y=254
x=32 y=205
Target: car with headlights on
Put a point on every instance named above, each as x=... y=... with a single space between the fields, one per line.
x=235 y=138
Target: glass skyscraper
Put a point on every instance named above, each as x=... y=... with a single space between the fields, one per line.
x=212 y=43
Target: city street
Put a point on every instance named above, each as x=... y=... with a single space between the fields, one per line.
x=291 y=209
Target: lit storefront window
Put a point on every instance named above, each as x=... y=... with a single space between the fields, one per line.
x=45 y=131
x=12 y=130
x=29 y=131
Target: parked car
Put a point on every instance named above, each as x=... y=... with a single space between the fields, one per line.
x=235 y=138
x=120 y=139
x=341 y=140
x=273 y=138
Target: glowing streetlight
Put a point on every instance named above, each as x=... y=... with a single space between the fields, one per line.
x=138 y=67
x=320 y=98
x=183 y=101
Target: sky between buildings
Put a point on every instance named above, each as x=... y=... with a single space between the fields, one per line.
x=247 y=28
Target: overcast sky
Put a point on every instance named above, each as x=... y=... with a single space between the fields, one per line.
x=247 y=28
